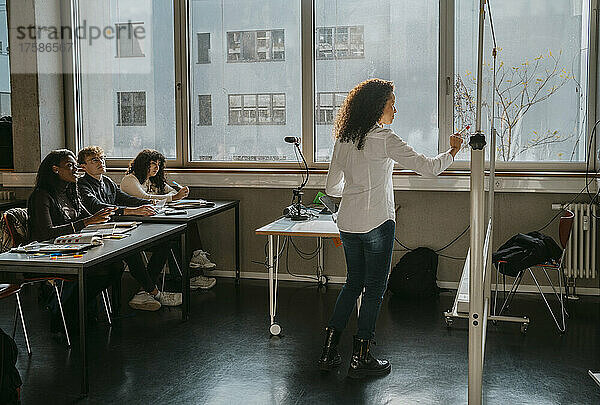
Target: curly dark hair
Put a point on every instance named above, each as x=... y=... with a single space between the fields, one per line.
x=50 y=182
x=361 y=110
x=140 y=166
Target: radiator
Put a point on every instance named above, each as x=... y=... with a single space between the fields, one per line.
x=580 y=259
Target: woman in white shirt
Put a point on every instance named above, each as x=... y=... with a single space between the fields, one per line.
x=361 y=173
x=146 y=179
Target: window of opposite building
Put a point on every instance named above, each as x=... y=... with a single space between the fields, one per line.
x=205 y=110
x=327 y=106
x=257 y=109
x=255 y=46
x=130 y=37
x=341 y=42
x=131 y=107
x=203 y=48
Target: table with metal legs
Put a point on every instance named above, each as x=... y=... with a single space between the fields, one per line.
x=320 y=227
x=144 y=236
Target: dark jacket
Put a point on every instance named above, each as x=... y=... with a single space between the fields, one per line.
x=54 y=214
x=98 y=194
x=525 y=250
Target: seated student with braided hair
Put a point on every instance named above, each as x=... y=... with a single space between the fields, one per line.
x=55 y=209
x=146 y=179
x=99 y=191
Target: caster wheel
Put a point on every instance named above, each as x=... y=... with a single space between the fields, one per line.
x=448 y=322
x=323 y=280
x=524 y=328
x=275 y=329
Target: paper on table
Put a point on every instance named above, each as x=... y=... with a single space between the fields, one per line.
x=111 y=225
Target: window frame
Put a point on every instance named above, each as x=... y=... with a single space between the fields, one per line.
x=309 y=56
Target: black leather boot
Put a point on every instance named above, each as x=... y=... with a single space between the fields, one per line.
x=363 y=363
x=330 y=357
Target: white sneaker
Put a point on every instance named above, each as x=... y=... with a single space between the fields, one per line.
x=144 y=301
x=202 y=282
x=199 y=259
x=169 y=299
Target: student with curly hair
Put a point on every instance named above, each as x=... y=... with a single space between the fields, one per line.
x=360 y=173
x=146 y=179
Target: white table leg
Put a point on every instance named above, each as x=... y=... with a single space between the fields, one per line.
x=321 y=279
x=274 y=328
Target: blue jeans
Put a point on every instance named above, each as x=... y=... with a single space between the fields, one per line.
x=368 y=259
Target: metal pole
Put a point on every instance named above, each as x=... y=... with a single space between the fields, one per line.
x=476 y=296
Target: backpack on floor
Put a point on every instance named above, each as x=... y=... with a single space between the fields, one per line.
x=415 y=275
x=10 y=381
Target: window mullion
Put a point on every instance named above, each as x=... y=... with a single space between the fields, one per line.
x=446 y=74
x=308 y=80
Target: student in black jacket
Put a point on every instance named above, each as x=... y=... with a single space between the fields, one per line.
x=54 y=209
x=99 y=191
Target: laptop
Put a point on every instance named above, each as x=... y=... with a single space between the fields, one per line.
x=328 y=202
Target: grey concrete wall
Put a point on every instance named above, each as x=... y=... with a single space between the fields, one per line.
x=37 y=87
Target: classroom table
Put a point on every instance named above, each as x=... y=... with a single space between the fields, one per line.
x=318 y=226
x=8 y=204
x=143 y=236
x=194 y=214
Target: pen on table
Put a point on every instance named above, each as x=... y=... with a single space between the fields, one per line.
x=65 y=257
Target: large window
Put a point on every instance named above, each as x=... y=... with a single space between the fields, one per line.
x=357 y=40
x=230 y=80
x=255 y=104
x=541 y=82
x=126 y=81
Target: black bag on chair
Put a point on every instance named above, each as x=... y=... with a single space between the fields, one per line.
x=415 y=275
x=10 y=381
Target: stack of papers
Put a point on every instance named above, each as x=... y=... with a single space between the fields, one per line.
x=89 y=238
x=185 y=204
x=43 y=247
x=111 y=228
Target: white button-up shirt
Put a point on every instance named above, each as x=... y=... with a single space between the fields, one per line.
x=363 y=178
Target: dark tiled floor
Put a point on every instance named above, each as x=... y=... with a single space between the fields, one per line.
x=223 y=355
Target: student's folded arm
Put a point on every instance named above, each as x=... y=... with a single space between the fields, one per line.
x=402 y=153
x=132 y=186
x=90 y=201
